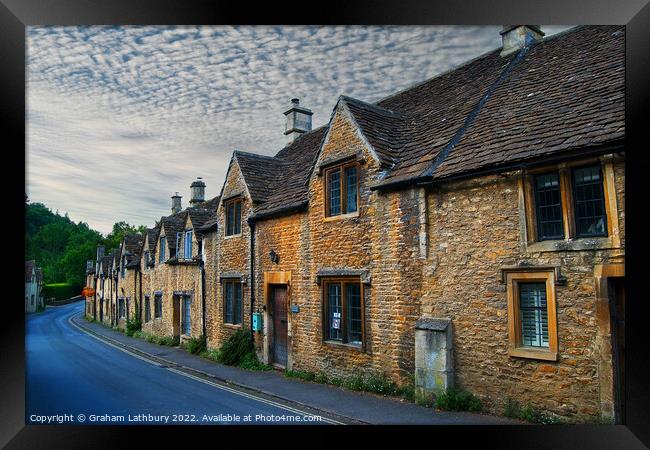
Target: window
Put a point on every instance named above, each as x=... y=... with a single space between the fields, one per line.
x=232 y=295
x=548 y=207
x=532 y=314
x=187 y=309
x=343 y=311
x=569 y=203
x=147 y=308
x=178 y=243
x=187 y=241
x=161 y=250
x=157 y=303
x=233 y=217
x=121 y=310
x=342 y=190
x=589 y=202
x=146 y=260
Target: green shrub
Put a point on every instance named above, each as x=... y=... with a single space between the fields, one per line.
x=454 y=399
x=336 y=381
x=138 y=334
x=132 y=326
x=380 y=384
x=196 y=345
x=321 y=378
x=151 y=338
x=210 y=354
x=167 y=340
x=250 y=362
x=355 y=383
x=60 y=291
x=302 y=374
x=513 y=409
x=407 y=390
x=233 y=350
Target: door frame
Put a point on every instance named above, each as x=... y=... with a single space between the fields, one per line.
x=607 y=378
x=282 y=279
x=176 y=316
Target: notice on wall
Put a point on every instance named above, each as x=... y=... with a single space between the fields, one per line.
x=336 y=320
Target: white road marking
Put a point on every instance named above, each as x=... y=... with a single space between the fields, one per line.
x=219 y=386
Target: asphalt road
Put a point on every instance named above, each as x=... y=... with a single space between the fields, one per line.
x=69 y=373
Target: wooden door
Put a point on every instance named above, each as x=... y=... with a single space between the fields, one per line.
x=617 y=310
x=280 y=324
x=176 y=316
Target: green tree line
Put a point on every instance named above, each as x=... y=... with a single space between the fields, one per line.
x=61 y=247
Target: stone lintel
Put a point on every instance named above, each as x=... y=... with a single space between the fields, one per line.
x=364 y=274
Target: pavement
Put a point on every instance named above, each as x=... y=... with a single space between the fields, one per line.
x=336 y=403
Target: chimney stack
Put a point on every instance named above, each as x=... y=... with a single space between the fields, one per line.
x=516 y=37
x=176 y=203
x=198 y=192
x=298 y=120
x=100 y=252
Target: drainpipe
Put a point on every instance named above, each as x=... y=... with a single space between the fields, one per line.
x=140 y=276
x=202 y=274
x=251 y=224
x=135 y=291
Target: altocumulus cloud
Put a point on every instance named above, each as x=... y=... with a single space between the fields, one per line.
x=119 y=118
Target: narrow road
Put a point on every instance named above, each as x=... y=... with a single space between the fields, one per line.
x=69 y=373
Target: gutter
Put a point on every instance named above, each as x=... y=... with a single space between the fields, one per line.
x=296 y=207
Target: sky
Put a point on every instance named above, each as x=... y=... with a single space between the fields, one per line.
x=120 y=118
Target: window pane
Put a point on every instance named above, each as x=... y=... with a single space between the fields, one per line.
x=334 y=308
x=237 y=218
x=354 y=312
x=230 y=213
x=187 y=319
x=351 y=189
x=238 y=302
x=548 y=207
x=589 y=202
x=188 y=244
x=534 y=318
x=334 y=188
x=229 y=302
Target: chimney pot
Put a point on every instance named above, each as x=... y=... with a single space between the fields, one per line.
x=176 y=203
x=198 y=192
x=298 y=120
x=516 y=37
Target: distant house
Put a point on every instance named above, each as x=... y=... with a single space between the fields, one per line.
x=33 y=285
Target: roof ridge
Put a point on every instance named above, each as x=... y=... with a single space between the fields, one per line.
x=469 y=119
x=256 y=155
x=468 y=62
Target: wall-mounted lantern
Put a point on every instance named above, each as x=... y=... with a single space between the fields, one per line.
x=275 y=258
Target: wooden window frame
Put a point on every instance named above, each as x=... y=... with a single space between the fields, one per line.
x=343 y=281
x=183 y=299
x=226 y=206
x=233 y=282
x=515 y=347
x=343 y=189
x=565 y=171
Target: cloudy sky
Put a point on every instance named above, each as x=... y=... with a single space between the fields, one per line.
x=119 y=118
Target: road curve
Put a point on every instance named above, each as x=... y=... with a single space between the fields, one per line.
x=74 y=378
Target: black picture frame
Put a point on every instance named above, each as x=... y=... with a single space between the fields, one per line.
x=15 y=15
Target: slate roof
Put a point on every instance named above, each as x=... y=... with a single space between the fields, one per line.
x=133 y=245
x=564 y=93
x=290 y=189
x=152 y=235
x=39 y=275
x=200 y=217
x=173 y=224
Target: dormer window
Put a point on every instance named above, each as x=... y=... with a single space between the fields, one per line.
x=146 y=260
x=187 y=241
x=161 y=252
x=342 y=190
x=233 y=217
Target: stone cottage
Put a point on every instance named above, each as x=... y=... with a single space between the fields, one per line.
x=33 y=286
x=468 y=231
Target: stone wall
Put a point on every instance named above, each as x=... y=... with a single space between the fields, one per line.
x=474 y=231
x=232 y=257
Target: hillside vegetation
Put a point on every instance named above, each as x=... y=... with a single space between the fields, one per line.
x=61 y=246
